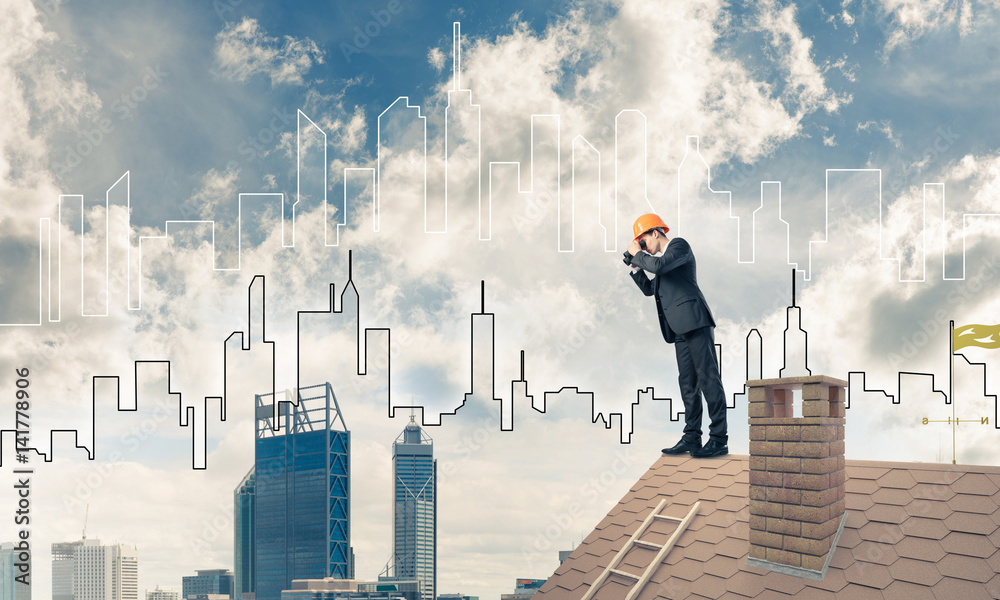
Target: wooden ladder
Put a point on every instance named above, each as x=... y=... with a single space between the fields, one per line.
x=641 y=580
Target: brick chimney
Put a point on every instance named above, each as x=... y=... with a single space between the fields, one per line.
x=796 y=473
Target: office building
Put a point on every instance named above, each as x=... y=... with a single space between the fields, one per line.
x=14 y=563
x=161 y=594
x=62 y=569
x=243 y=530
x=301 y=490
x=414 y=543
x=350 y=589
x=105 y=572
x=524 y=589
x=208 y=581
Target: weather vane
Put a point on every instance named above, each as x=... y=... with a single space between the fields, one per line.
x=978 y=336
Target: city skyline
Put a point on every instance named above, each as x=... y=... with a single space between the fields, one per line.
x=936 y=223
x=479 y=201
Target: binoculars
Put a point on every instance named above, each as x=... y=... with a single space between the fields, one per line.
x=628 y=256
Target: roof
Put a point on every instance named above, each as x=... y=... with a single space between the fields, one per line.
x=913 y=531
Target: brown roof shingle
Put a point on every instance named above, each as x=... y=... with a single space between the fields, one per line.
x=913 y=531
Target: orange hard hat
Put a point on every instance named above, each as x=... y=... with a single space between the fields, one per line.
x=646 y=222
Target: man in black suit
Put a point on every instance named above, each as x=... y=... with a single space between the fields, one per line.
x=687 y=323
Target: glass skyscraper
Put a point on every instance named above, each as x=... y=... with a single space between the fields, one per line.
x=208 y=581
x=243 y=530
x=302 y=491
x=414 y=544
x=10 y=587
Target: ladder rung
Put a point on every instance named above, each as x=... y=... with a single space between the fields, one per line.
x=649 y=545
x=667 y=518
x=625 y=574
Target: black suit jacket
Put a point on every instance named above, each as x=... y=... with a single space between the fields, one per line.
x=680 y=304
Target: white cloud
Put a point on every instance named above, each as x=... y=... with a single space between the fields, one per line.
x=804 y=80
x=39 y=99
x=905 y=21
x=64 y=96
x=847 y=69
x=37 y=86
x=346 y=127
x=217 y=188
x=646 y=55
x=980 y=175
x=884 y=126
x=243 y=50
x=436 y=58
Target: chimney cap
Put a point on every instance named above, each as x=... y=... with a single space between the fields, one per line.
x=789 y=383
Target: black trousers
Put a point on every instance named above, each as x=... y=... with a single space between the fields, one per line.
x=698 y=366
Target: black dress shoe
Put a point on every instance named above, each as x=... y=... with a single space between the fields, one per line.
x=712 y=448
x=683 y=446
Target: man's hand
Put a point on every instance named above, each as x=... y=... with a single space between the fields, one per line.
x=634 y=248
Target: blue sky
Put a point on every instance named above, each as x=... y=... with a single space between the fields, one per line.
x=200 y=102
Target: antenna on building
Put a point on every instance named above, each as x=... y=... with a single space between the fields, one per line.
x=793 y=287
x=86 y=514
x=456 y=54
